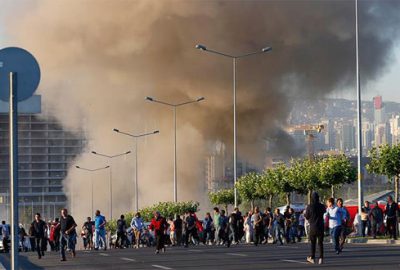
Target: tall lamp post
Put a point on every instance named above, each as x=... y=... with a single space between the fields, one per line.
x=136 y=136
x=174 y=106
x=91 y=177
x=234 y=58
x=110 y=157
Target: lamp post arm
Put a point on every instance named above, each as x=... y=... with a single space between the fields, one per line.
x=249 y=54
x=163 y=102
x=220 y=53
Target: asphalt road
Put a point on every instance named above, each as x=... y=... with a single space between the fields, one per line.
x=354 y=256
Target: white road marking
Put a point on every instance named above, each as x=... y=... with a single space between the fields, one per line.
x=128 y=259
x=161 y=267
x=236 y=254
x=284 y=246
x=104 y=254
x=194 y=250
x=294 y=261
x=2 y=267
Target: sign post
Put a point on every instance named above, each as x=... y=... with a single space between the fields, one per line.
x=20 y=74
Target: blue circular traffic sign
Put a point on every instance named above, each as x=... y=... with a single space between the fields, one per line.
x=20 y=61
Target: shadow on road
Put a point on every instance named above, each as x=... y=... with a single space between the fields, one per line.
x=24 y=263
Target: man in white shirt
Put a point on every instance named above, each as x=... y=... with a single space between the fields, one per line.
x=334 y=215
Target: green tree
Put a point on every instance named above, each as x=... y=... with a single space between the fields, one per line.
x=222 y=197
x=304 y=176
x=166 y=209
x=385 y=160
x=268 y=186
x=335 y=171
x=281 y=181
x=248 y=187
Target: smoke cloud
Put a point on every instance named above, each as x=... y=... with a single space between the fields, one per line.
x=100 y=59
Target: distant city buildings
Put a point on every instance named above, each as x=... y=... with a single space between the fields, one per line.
x=380 y=125
x=46 y=151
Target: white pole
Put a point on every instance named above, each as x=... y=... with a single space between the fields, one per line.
x=13 y=114
x=175 y=169
x=234 y=132
x=136 y=178
x=111 y=195
x=359 y=156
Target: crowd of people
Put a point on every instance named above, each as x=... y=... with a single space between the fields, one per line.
x=217 y=228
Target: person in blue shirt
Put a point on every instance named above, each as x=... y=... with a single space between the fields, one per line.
x=207 y=225
x=336 y=217
x=100 y=229
x=137 y=225
x=345 y=220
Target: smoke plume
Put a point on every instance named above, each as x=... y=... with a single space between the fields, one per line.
x=100 y=59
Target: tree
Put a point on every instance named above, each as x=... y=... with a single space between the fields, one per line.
x=268 y=186
x=222 y=197
x=385 y=160
x=248 y=187
x=167 y=209
x=335 y=171
x=304 y=176
x=281 y=181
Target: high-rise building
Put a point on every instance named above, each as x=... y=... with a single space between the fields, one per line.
x=348 y=137
x=215 y=170
x=367 y=135
x=46 y=151
x=379 y=111
x=395 y=128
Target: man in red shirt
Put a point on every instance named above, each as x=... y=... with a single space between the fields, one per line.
x=159 y=226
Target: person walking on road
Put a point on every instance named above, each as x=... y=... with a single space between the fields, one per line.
x=334 y=215
x=256 y=220
x=178 y=224
x=217 y=225
x=5 y=233
x=39 y=233
x=137 y=225
x=315 y=215
x=207 y=224
x=391 y=212
x=68 y=234
x=376 y=219
x=100 y=229
x=159 y=226
x=190 y=228
x=346 y=229
x=121 y=232
x=88 y=231
x=278 y=225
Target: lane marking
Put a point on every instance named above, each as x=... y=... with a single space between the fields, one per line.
x=104 y=254
x=284 y=246
x=236 y=254
x=160 y=266
x=128 y=259
x=195 y=250
x=294 y=261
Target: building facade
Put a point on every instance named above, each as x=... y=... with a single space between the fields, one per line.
x=46 y=151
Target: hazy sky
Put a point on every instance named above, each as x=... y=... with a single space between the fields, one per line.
x=387 y=86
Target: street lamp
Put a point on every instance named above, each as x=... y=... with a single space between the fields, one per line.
x=91 y=178
x=111 y=157
x=234 y=58
x=174 y=106
x=136 y=160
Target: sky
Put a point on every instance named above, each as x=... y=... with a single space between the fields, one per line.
x=386 y=86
